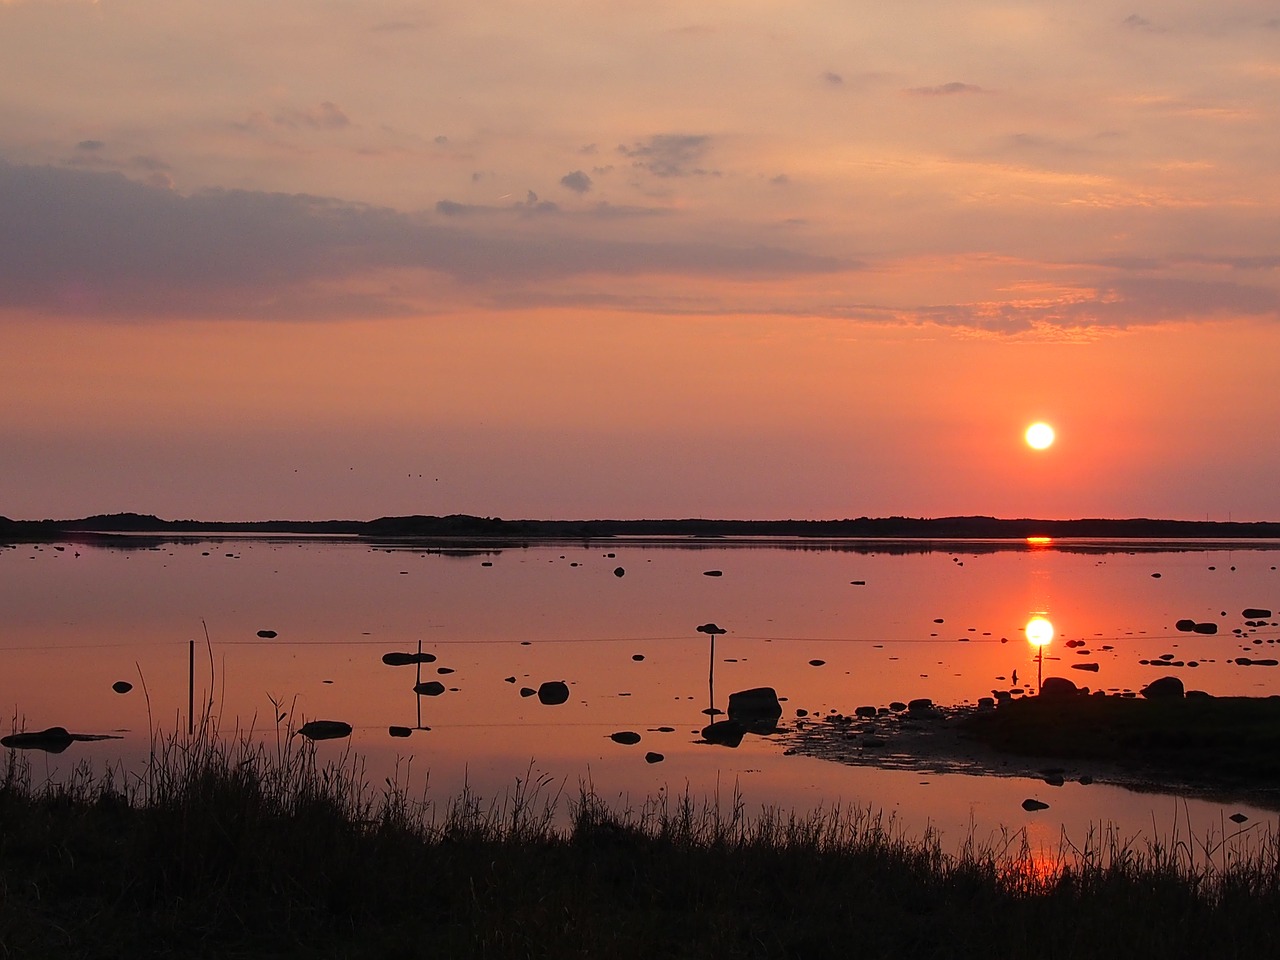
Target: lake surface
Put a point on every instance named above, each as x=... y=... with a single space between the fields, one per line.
x=616 y=620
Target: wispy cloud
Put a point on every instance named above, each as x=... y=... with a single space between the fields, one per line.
x=945 y=90
x=670 y=155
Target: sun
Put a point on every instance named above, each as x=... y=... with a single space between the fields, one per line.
x=1039 y=436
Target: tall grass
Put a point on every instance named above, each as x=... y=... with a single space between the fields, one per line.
x=235 y=847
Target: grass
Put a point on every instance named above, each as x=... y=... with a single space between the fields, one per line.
x=236 y=848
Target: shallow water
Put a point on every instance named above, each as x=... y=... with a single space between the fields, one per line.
x=887 y=621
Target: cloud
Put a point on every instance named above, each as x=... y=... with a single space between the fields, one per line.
x=670 y=155
x=577 y=181
x=98 y=243
x=945 y=90
x=326 y=116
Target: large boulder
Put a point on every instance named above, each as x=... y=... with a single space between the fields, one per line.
x=1058 y=688
x=1164 y=688
x=758 y=703
x=724 y=733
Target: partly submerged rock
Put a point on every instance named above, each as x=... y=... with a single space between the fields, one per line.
x=753 y=704
x=1031 y=805
x=399 y=731
x=429 y=688
x=397 y=659
x=652 y=757
x=711 y=629
x=51 y=740
x=1256 y=613
x=724 y=733
x=553 y=693
x=122 y=686
x=267 y=634
x=625 y=737
x=325 y=729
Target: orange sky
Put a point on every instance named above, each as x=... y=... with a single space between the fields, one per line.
x=767 y=260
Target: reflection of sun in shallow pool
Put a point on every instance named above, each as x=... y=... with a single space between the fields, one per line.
x=1039 y=631
x=1039 y=436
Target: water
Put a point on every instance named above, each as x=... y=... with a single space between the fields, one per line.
x=887 y=621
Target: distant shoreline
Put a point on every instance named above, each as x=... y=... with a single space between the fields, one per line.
x=471 y=528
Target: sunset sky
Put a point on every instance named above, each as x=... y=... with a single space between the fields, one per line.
x=757 y=259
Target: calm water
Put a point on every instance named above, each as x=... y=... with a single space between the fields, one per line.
x=888 y=622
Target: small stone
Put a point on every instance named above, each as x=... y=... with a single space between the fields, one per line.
x=713 y=573
x=652 y=757
x=816 y=663
x=429 y=688
x=1237 y=818
x=619 y=572
x=1031 y=806
x=626 y=737
x=267 y=634
x=122 y=686
x=399 y=731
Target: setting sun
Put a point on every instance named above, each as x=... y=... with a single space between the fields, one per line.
x=1039 y=631
x=1039 y=436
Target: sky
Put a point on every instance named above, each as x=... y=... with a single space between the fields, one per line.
x=759 y=259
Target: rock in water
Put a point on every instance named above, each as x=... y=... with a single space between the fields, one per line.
x=652 y=757
x=626 y=737
x=397 y=659
x=51 y=740
x=619 y=572
x=429 y=688
x=553 y=693
x=325 y=729
x=267 y=634
x=1031 y=806
x=399 y=731
x=724 y=733
x=1163 y=688
x=122 y=686
x=753 y=704
x=711 y=629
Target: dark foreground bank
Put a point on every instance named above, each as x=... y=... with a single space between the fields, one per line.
x=242 y=851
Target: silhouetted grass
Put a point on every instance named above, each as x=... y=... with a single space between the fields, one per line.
x=239 y=849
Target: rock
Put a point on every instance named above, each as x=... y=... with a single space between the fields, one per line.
x=1092 y=667
x=1186 y=626
x=1057 y=688
x=1163 y=688
x=429 y=688
x=713 y=573
x=817 y=663
x=50 y=740
x=652 y=757
x=325 y=729
x=553 y=693
x=897 y=706
x=619 y=572
x=527 y=691
x=395 y=659
x=755 y=704
x=637 y=657
x=1239 y=817
x=1031 y=806
x=1208 y=629
x=1155 y=576
x=399 y=731
x=865 y=712
x=267 y=634
x=986 y=703
x=625 y=737
x=724 y=733
x=508 y=679
x=122 y=686
x=1256 y=613
x=711 y=629
x=919 y=705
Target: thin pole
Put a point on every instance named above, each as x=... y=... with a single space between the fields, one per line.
x=191 y=687
x=417 y=683
x=1040 y=670
x=711 y=680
